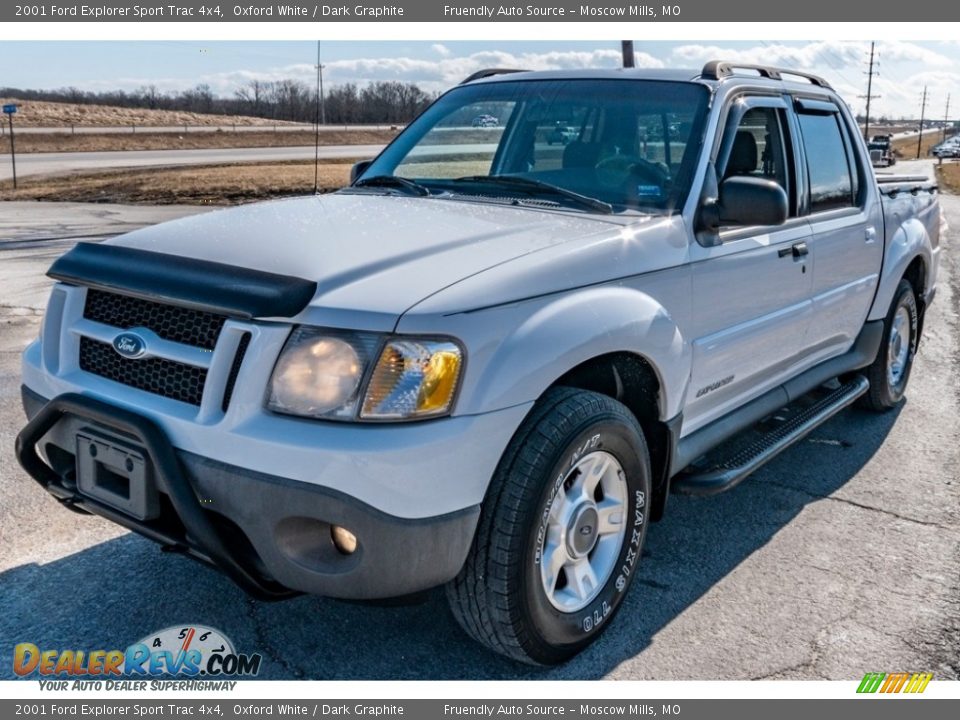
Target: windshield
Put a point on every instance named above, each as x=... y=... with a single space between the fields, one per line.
x=629 y=144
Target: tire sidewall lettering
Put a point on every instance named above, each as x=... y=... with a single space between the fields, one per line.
x=591 y=619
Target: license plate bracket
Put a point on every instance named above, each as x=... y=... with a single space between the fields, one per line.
x=117 y=474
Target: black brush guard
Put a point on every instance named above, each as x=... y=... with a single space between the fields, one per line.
x=205 y=543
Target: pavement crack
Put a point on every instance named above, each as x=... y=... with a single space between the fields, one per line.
x=265 y=645
x=863 y=506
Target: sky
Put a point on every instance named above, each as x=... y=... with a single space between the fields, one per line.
x=904 y=67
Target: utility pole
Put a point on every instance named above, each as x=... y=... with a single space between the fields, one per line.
x=323 y=108
x=9 y=110
x=869 y=95
x=946 y=118
x=626 y=49
x=316 y=124
x=923 y=109
x=13 y=152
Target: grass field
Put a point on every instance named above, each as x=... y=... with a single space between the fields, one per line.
x=39 y=113
x=906 y=148
x=196 y=185
x=948 y=176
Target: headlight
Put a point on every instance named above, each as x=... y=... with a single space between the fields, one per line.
x=413 y=379
x=320 y=374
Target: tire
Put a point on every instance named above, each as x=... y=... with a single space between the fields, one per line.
x=888 y=376
x=501 y=596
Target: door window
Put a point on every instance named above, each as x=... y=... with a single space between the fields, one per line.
x=759 y=150
x=832 y=181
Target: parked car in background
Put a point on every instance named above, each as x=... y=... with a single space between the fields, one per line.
x=948 y=149
x=485 y=121
x=561 y=134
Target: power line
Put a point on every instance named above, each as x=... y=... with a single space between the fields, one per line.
x=821 y=53
x=826 y=53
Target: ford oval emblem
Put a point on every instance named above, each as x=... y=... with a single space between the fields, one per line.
x=129 y=345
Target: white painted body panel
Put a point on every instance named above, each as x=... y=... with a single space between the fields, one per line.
x=530 y=294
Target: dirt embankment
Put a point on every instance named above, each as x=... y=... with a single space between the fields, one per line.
x=199 y=185
x=948 y=176
x=40 y=113
x=906 y=148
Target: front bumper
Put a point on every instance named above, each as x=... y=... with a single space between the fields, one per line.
x=271 y=535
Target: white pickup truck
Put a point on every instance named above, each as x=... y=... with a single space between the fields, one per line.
x=487 y=362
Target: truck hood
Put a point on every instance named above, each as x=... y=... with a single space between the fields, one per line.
x=373 y=256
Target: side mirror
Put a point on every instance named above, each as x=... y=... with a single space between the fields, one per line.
x=359 y=169
x=748 y=201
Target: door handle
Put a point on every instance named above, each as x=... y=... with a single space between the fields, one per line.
x=797 y=250
x=871 y=235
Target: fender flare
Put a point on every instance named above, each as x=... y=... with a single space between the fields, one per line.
x=910 y=241
x=574 y=328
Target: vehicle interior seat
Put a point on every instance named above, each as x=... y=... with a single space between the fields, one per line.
x=743 y=155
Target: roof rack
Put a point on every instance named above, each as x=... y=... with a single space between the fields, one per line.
x=719 y=69
x=490 y=72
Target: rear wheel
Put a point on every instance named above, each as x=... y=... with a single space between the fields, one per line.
x=890 y=370
x=560 y=532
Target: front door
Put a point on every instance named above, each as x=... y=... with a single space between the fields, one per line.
x=752 y=292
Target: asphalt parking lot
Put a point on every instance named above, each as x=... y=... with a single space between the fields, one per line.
x=840 y=557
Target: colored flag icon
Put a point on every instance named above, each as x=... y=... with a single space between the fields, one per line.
x=888 y=683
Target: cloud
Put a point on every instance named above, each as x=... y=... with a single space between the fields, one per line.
x=430 y=73
x=896 y=87
x=904 y=68
x=833 y=54
x=439 y=75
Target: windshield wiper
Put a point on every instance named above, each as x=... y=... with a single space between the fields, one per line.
x=394 y=181
x=524 y=183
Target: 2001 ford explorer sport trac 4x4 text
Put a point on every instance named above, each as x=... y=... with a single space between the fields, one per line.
x=489 y=360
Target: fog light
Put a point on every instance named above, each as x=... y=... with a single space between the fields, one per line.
x=344 y=540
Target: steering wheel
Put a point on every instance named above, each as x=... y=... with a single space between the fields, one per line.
x=616 y=171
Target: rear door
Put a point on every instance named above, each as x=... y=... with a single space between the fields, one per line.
x=752 y=292
x=845 y=224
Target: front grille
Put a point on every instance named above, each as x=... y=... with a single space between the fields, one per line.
x=171 y=322
x=166 y=378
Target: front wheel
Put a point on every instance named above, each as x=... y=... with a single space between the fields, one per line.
x=560 y=532
x=890 y=371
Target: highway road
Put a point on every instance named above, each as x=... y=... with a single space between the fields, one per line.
x=841 y=556
x=130 y=129
x=48 y=163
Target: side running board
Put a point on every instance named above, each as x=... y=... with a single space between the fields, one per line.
x=729 y=471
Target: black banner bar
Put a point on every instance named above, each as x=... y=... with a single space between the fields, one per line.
x=227 y=708
x=562 y=11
